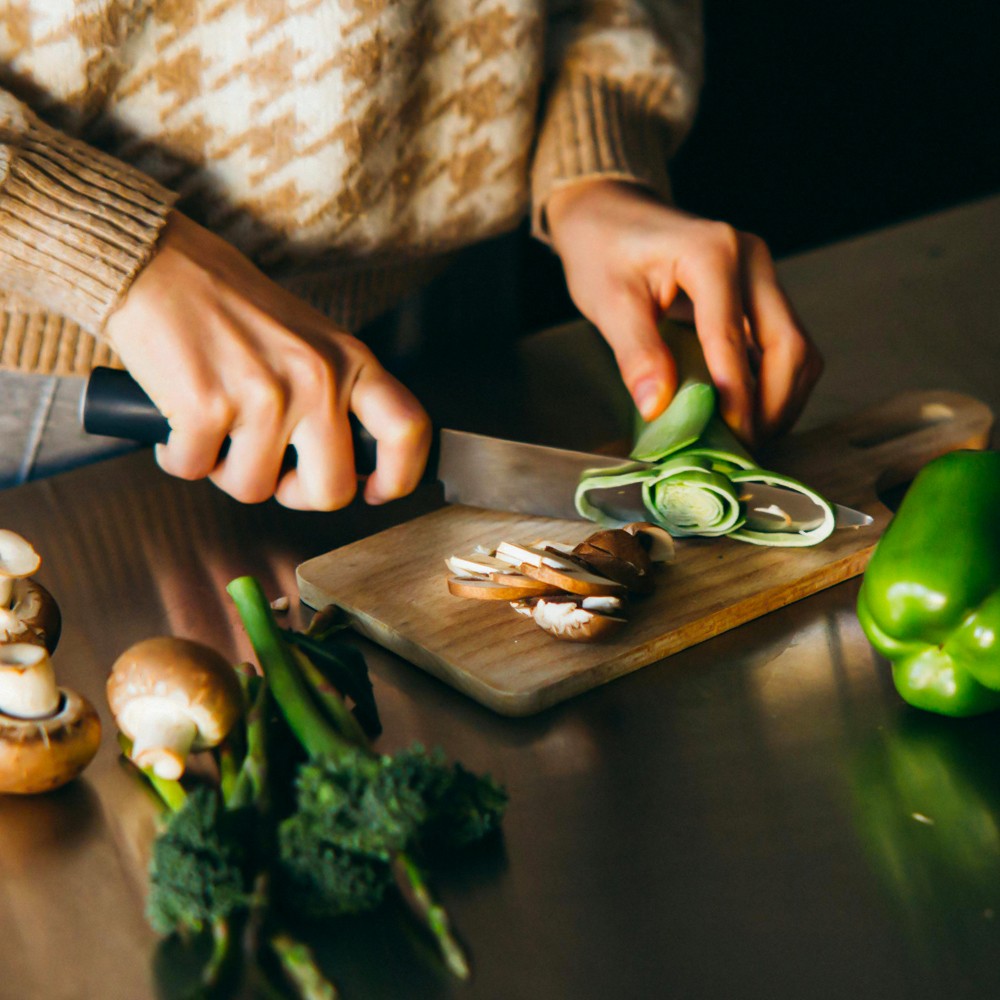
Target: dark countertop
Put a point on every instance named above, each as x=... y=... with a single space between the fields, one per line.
x=758 y=816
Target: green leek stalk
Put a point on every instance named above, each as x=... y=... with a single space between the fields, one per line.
x=319 y=736
x=686 y=468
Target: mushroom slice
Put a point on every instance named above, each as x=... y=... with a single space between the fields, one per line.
x=570 y=621
x=493 y=590
x=48 y=735
x=559 y=571
x=476 y=564
x=171 y=696
x=618 y=555
x=658 y=541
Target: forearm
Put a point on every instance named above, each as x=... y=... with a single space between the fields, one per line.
x=623 y=88
x=76 y=225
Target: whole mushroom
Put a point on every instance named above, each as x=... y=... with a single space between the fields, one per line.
x=171 y=696
x=28 y=612
x=48 y=734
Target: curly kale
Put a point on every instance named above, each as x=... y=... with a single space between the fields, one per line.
x=321 y=879
x=355 y=812
x=201 y=866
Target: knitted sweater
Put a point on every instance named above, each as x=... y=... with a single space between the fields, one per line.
x=345 y=146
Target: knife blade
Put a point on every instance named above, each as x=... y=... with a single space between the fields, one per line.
x=475 y=469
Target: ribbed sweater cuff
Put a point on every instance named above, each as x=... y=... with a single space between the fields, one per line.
x=76 y=225
x=595 y=128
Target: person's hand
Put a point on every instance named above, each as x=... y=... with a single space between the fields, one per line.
x=629 y=259
x=222 y=350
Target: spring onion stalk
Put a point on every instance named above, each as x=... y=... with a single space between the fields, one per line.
x=686 y=469
x=304 y=716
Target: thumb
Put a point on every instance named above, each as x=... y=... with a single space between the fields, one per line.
x=646 y=365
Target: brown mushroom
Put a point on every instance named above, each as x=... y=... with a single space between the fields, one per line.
x=618 y=555
x=657 y=541
x=28 y=612
x=171 y=696
x=48 y=735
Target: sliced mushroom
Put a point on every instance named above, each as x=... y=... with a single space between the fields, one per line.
x=171 y=696
x=570 y=621
x=559 y=571
x=620 y=556
x=48 y=735
x=28 y=612
x=481 y=589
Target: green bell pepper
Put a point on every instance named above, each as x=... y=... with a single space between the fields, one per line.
x=930 y=598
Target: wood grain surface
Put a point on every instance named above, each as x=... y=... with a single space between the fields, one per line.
x=393 y=584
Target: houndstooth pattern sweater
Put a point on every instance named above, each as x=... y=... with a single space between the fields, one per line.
x=346 y=146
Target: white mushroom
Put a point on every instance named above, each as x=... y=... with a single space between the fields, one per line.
x=17 y=561
x=48 y=735
x=171 y=696
x=28 y=612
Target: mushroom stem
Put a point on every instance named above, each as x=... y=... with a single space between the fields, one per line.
x=6 y=591
x=28 y=687
x=163 y=738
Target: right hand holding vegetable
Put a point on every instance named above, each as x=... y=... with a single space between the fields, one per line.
x=225 y=352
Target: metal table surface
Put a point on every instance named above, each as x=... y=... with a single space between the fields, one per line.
x=757 y=817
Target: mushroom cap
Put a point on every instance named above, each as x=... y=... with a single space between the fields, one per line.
x=180 y=674
x=33 y=616
x=37 y=755
x=618 y=555
x=17 y=556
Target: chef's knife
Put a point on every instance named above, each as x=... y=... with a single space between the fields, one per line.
x=476 y=470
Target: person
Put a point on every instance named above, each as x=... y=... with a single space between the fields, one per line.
x=220 y=195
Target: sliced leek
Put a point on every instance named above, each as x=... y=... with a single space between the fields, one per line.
x=686 y=471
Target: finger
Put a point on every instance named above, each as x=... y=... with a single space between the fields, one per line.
x=250 y=470
x=323 y=477
x=789 y=362
x=197 y=433
x=401 y=429
x=628 y=322
x=714 y=285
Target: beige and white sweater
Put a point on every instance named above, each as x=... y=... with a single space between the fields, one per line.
x=346 y=146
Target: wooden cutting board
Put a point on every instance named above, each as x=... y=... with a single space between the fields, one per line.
x=393 y=584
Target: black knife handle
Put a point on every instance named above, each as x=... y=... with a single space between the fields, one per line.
x=115 y=405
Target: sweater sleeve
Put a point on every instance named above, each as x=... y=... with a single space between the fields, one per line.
x=76 y=225
x=623 y=83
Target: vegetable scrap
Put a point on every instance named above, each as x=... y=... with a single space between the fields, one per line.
x=689 y=474
x=302 y=819
x=576 y=593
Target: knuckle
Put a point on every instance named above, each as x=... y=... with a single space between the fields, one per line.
x=265 y=396
x=720 y=240
x=312 y=374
